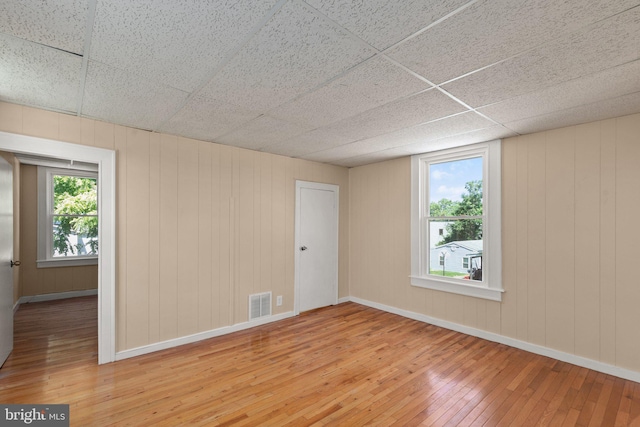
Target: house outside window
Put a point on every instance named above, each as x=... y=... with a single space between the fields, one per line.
x=67 y=217
x=457 y=191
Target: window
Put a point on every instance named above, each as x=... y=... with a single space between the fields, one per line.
x=67 y=217
x=455 y=221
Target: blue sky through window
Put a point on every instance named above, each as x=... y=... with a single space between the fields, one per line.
x=447 y=180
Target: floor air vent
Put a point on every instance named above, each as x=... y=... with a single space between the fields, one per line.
x=259 y=305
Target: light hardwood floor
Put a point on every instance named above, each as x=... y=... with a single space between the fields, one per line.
x=347 y=365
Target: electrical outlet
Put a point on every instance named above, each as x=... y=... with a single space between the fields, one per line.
x=279 y=300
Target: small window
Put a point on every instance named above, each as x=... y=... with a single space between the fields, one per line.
x=67 y=217
x=455 y=221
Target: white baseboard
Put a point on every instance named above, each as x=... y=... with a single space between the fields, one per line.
x=512 y=342
x=51 y=297
x=138 y=351
x=343 y=300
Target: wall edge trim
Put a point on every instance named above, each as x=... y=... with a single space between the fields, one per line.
x=584 y=362
x=200 y=336
x=53 y=296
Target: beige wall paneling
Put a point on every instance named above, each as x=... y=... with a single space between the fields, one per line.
x=104 y=135
x=137 y=237
x=522 y=232
x=215 y=250
x=204 y=238
x=265 y=197
x=120 y=145
x=155 y=232
x=70 y=129
x=607 y=250
x=41 y=123
x=628 y=236
x=587 y=240
x=510 y=297
x=560 y=239
x=536 y=237
x=278 y=232
x=290 y=184
x=168 y=237
x=246 y=255
x=187 y=236
x=226 y=232
x=10 y=117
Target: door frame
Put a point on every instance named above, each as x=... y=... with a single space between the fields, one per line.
x=106 y=161
x=314 y=186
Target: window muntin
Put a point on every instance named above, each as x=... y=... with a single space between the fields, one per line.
x=473 y=232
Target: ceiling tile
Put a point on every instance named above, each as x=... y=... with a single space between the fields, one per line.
x=174 y=42
x=593 y=49
x=607 y=84
x=616 y=107
x=459 y=124
x=34 y=74
x=60 y=24
x=206 y=119
x=366 y=159
x=479 y=135
x=308 y=142
x=373 y=83
x=116 y=96
x=293 y=53
x=492 y=30
x=420 y=108
x=262 y=132
x=381 y=22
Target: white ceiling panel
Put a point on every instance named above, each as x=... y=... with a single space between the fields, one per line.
x=295 y=52
x=607 y=84
x=176 y=42
x=620 y=106
x=420 y=108
x=492 y=30
x=351 y=94
x=339 y=81
x=116 y=96
x=593 y=49
x=206 y=119
x=60 y=24
x=308 y=142
x=262 y=132
x=37 y=75
x=380 y=22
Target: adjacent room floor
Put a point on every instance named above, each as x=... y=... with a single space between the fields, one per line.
x=346 y=365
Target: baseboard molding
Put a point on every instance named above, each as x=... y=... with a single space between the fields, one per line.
x=54 y=296
x=139 y=351
x=343 y=300
x=522 y=345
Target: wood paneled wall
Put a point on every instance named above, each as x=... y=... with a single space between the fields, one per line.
x=38 y=281
x=570 y=203
x=200 y=226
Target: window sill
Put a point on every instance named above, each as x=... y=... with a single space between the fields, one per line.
x=67 y=262
x=457 y=288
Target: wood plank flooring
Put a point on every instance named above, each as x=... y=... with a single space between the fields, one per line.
x=347 y=365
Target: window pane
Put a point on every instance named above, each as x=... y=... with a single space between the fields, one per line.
x=455 y=188
x=75 y=235
x=74 y=195
x=458 y=251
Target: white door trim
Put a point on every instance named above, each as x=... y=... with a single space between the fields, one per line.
x=106 y=161
x=317 y=186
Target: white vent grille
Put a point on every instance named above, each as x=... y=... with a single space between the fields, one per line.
x=259 y=305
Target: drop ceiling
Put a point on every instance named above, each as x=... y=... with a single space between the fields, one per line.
x=347 y=82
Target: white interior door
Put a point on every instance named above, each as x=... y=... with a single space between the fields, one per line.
x=316 y=245
x=6 y=255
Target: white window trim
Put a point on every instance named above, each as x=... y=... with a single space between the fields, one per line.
x=45 y=231
x=491 y=286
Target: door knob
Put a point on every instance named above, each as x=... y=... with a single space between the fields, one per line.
x=303 y=248
x=16 y=263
